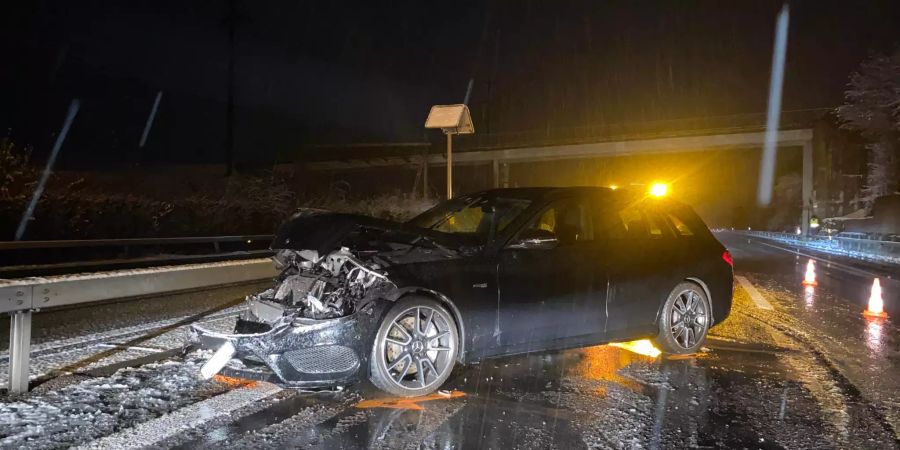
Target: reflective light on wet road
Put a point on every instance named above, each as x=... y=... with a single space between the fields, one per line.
x=641 y=347
x=233 y=382
x=604 y=362
x=411 y=403
x=809 y=297
x=874 y=334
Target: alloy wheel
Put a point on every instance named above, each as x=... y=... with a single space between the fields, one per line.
x=688 y=319
x=418 y=348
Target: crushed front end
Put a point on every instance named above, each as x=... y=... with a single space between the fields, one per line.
x=313 y=329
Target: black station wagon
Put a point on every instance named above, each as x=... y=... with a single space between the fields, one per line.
x=489 y=274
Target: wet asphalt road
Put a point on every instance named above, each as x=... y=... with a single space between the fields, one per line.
x=812 y=373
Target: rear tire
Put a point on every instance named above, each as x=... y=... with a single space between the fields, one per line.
x=415 y=348
x=685 y=320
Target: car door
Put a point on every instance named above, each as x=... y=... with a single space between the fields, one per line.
x=555 y=292
x=470 y=283
x=642 y=268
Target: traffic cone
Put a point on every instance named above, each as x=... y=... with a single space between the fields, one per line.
x=810 y=278
x=876 y=303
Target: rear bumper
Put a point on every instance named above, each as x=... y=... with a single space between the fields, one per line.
x=306 y=353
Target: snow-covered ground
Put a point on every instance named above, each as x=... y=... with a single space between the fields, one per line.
x=96 y=407
x=78 y=351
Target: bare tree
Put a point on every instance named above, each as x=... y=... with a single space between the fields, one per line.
x=872 y=106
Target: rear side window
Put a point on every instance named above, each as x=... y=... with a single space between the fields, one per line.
x=634 y=222
x=656 y=225
x=680 y=227
x=691 y=221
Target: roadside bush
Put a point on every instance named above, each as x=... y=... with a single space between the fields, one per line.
x=17 y=176
x=397 y=206
x=248 y=205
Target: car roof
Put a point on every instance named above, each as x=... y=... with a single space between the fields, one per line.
x=549 y=193
x=536 y=193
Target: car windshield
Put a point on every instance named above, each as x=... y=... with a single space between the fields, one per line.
x=472 y=215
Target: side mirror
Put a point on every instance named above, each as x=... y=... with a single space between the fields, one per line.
x=538 y=239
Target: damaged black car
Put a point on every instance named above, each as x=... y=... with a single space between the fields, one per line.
x=490 y=274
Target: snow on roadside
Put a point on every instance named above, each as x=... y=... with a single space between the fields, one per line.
x=96 y=407
x=54 y=355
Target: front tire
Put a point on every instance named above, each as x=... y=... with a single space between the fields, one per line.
x=415 y=348
x=685 y=320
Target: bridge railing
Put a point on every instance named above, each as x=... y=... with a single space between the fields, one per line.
x=725 y=124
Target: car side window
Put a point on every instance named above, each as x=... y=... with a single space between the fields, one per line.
x=658 y=228
x=569 y=219
x=680 y=227
x=634 y=222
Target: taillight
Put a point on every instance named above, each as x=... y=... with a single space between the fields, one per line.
x=727 y=257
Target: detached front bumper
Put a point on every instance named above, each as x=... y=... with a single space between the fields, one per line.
x=307 y=353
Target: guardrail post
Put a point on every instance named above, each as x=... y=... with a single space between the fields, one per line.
x=19 y=351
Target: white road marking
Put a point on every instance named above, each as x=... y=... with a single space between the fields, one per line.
x=757 y=298
x=149 y=433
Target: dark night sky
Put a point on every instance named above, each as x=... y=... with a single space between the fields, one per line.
x=341 y=72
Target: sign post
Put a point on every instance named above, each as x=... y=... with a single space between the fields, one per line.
x=452 y=119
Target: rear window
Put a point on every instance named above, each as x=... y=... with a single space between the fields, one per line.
x=690 y=221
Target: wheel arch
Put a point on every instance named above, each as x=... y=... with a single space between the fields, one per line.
x=444 y=300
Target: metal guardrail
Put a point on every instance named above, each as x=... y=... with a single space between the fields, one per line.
x=22 y=297
x=19 y=245
x=848 y=242
x=41 y=258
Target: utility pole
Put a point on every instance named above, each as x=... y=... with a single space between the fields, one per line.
x=449 y=166
x=425 y=174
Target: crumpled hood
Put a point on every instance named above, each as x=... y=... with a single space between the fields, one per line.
x=325 y=231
